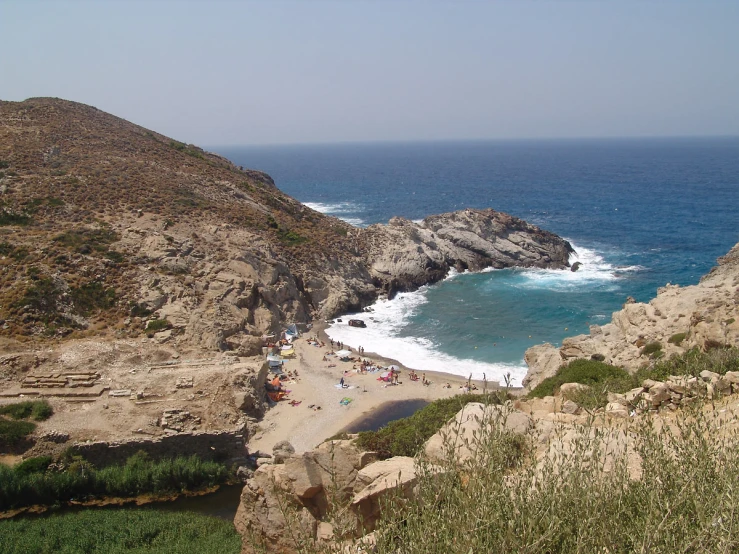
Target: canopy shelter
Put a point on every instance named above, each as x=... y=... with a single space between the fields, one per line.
x=344 y=353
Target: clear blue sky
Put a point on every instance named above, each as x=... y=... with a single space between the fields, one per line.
x=272 y=71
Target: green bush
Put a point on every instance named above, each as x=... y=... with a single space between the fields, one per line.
x=406 y=436
x=13 y=432
x=653 y=349
x=92 y=296
x=595 y=374
x=120 y=531
x=33 y=465
x=38 y=410
x=677 y=338
x=157 y=325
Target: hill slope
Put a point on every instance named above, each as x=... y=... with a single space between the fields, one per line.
x=105 y=226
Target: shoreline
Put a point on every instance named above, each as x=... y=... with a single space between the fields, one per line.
x=319 y=414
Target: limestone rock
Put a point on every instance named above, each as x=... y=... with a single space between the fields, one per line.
x=281 y=451
x=396 y=475
x=461 y=434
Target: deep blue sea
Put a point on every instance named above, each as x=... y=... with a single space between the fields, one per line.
x=640 y=213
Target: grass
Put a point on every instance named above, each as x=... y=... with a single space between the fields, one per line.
x=582 y=497
x=677 y=338
x=684 y=501
x=38 y=410
x=587 y=372
x=81 y=481
x=406 y=436
x=118 y=531
x=603 y=378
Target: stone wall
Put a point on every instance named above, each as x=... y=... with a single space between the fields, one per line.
x=228 y=446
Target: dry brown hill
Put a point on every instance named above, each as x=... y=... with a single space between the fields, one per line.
x=108 y=228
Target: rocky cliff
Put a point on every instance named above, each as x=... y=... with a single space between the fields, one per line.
x=705 y=315
x=110 y=229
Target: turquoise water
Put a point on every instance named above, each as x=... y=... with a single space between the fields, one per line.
x=639 y=212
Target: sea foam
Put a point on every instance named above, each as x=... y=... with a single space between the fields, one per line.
x=341 y=210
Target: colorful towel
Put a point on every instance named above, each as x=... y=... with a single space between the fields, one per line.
x=345 y=401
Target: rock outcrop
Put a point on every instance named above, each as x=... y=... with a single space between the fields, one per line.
x=702 y=316
x=403 y=255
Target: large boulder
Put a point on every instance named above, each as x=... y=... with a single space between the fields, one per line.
x=392 y=478
x=459 y=438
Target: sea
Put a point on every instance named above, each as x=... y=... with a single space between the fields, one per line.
x=640 y=213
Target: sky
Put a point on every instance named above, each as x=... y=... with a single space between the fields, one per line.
x=222 y=72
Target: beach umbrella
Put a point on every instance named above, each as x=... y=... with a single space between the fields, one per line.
x=394 y=369
x=344 y=353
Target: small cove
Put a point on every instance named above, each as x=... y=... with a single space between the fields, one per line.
x=384 y=414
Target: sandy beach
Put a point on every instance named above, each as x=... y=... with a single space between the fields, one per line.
x=320 y=413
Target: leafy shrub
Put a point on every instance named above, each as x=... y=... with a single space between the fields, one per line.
x=33 y=465
x=406 y=436
x=13 y=432
x=677 y=338
x=157 y=325
x=595 y=374
x=92 y=296
x=38 y=410
x=119 y=530
x=4 y=164
x=653 y=349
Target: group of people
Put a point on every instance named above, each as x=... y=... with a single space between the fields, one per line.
x=414 y=377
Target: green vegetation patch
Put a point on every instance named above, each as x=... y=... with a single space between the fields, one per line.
x=193 y=151
x=10 y=217
x=88 y=241
x=677 y=338
x=587 y=372
x=81 y=481
x=682 y=500
x=119 y=531
x=406 y=437
x=38 y=410
x=652 y=349
x=13 y=432
x=157 y=325
x=691 y=363
x=16 y=252
x=92 y=296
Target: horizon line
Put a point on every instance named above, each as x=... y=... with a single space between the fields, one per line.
x=468 y=140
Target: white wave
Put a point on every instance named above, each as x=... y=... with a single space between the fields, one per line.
x=594 y=270
x=340 y=210
x=382 y=335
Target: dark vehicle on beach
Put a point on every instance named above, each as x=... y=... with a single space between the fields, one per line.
x=357 y=323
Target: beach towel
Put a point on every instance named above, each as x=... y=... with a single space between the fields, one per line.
x=345 y=401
